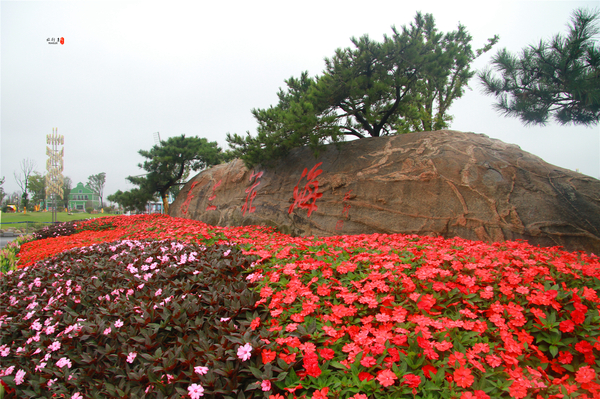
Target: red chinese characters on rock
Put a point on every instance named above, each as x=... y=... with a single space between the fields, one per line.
x=345 y=212
x=213 y=207
x=251 y=194
x=185 y=206
x=309 y=193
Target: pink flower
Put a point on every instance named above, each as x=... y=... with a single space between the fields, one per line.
x=195 y=391
x=40 y=366
x=200 y=370
x=107 y=331
x=63 y=361
x=245 y=352
x=8 y=371
x=265 y=385
x=131 y=356
x=54 y=346
x=76 y=395
x=20 y=377
x=118 y=323
x=36 y=326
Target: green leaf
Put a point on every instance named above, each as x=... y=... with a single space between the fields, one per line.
x=553 y=350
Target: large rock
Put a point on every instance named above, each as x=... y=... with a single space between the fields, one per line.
x=444 y=183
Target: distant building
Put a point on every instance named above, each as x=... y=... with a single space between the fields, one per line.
x=154 y=207
x=79 y=197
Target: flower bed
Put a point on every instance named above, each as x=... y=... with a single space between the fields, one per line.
x=368 y=316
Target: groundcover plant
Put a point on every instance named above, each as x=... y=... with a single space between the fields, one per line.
x=368 y=316
x=129 y=319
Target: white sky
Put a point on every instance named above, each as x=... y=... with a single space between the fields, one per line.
x=129 y=69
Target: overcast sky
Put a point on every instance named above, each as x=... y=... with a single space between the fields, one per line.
x=129 y=69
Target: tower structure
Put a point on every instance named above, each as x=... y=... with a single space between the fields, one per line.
x=55 y=167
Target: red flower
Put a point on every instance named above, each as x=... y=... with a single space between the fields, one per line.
x=365 y=376
x=411 y=380
x=457 y=357
x=567 y=326
x=291 y=358
x=293 y=389
x=565 y=357
x=426 y=302
x=578 y=317
x=584 y=347
x=255 y=323
x=443 y=346
x=394 y=355
x=268 y=356
x=311 y=364
x=477 y=394
x=321 y=394
x=368 y=361
x=386 y=377
x=585 y=374
x=327 y=353
x=428 y=369
x=463 y=377
x=323 y=290
x=518 y=389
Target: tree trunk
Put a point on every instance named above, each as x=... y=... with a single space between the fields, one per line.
x=165 y=203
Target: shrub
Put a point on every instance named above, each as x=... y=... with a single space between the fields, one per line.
x=8 y=255
x=66 y=229
x=56 y=230
x=143 y=319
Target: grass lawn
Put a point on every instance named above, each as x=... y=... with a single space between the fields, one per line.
x=15 y=220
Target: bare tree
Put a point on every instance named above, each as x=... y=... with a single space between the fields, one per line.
x=22 y=179
x=2 y=193
x=96 y=183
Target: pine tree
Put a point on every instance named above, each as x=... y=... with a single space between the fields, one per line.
x=559 y=78
x=403 y=84
x=167 y=162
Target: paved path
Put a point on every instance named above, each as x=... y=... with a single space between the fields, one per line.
x=5 y=240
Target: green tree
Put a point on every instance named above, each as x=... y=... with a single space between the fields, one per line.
x=559 y=78
x=37 y=188
x=133 y=200
x=294 y=122
x=167 y=162
x=96 y=183
x=405 y=83
x=67 y=186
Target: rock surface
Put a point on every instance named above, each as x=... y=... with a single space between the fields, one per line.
x=443 y=183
